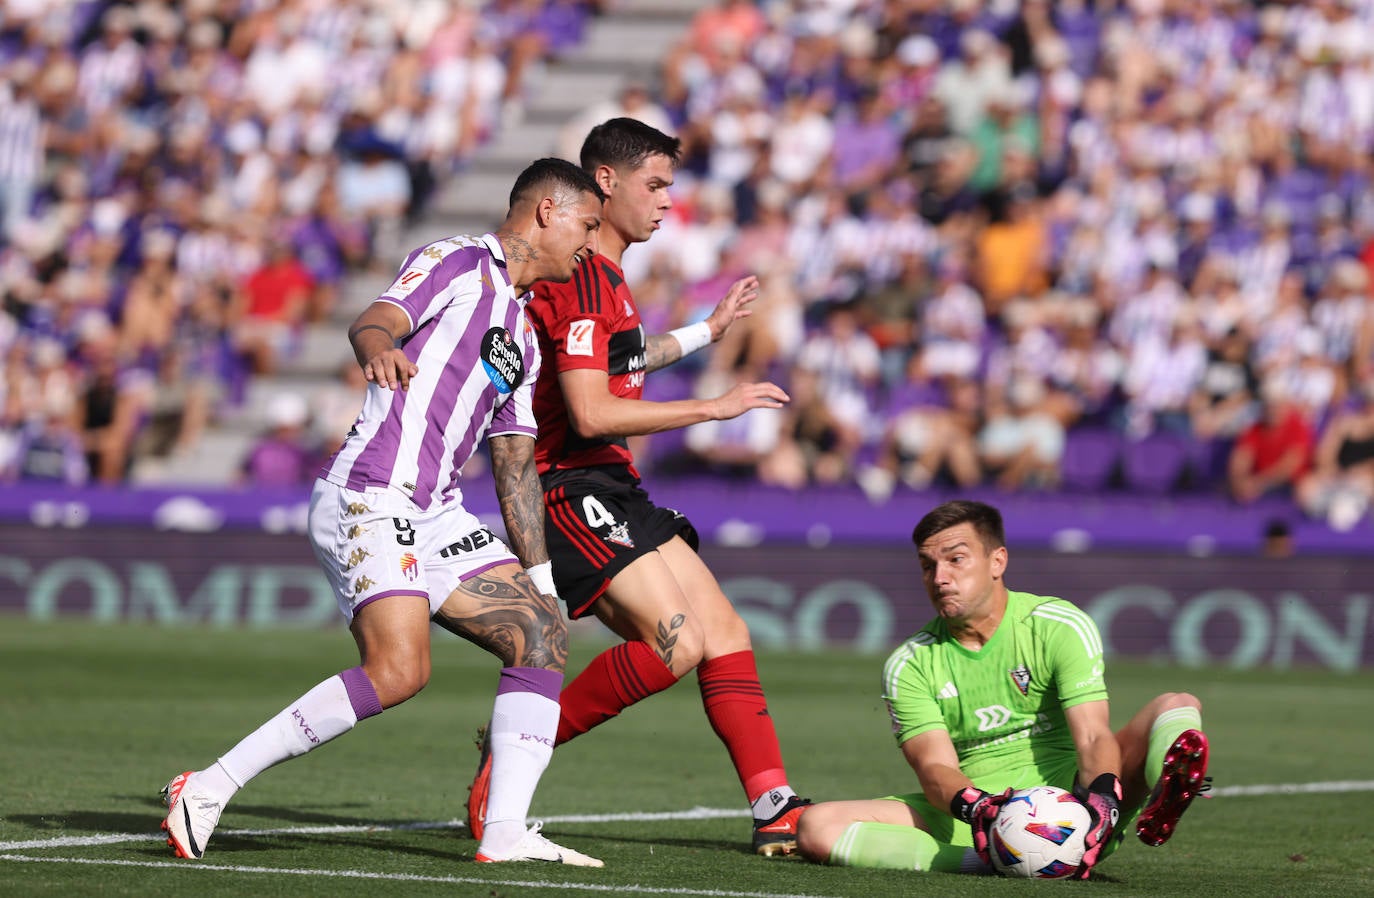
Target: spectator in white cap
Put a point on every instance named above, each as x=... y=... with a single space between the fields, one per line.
x=966 y=85
x=916 y=63
x=283 y=455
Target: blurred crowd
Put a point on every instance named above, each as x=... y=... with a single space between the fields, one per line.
x=184 y=185
x=1070 y=245
x=1123 y=244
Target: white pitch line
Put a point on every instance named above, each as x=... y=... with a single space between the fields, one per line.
x=406 y=877
x=1295 y=788
x=697 y=813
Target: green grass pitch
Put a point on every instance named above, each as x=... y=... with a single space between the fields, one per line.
x=93 y=721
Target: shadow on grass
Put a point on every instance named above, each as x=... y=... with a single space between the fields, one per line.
x=457 y=844
x=437 y=842
x=743 y=846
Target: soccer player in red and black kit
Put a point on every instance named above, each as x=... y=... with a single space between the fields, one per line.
x=616 y=554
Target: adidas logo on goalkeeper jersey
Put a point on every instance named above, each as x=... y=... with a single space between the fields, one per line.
x=947 y=691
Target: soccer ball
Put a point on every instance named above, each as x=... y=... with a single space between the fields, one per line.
x=1039 y=834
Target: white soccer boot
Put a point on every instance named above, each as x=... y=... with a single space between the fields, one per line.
x=191 y=816
x=534 y=847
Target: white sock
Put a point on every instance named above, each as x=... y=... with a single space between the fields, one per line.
x=216 y=782
x=767 y=805
x=523 y=727
x=312 y=720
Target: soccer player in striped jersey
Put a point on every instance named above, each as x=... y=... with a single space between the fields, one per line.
x=451 y=360
x=615 y=554
x=1004 y=690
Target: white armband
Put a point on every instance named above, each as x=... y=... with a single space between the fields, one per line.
x=692 y=337
x=542 y=575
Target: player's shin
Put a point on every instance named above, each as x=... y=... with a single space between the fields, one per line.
x=523 y=724
x=195 y=799
x=614 y=680
x=326 y=712
x=1167 y=727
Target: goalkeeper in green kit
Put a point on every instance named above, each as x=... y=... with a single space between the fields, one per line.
x=1004 y=690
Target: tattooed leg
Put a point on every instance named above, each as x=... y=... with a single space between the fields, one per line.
x=665 y=640
x=501 y=611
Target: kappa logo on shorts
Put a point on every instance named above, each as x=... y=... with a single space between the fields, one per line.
x=356 y=557
x=410 y=566
x=363 y=584
x=357 y=508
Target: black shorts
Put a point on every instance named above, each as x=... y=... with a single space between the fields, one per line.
x=597 y=521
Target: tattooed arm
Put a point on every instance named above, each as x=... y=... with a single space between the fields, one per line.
x=661 y=350
x=521 y=496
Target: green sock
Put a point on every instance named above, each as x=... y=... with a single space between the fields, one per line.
x=888 y=846
x=1163 y=732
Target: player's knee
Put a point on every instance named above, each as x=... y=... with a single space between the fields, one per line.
x=816 y=834
x=681 y=653
x=397 y=679
x=1187 y=700
x=728 y=634
x=1171 y=700
x=675 y=636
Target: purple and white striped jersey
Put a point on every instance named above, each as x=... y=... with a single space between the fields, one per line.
x=478 y=360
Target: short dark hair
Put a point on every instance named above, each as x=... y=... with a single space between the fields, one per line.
x=550 y=174
x=986 y=521
x=626 y=143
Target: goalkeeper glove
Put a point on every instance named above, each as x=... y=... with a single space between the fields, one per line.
x=1102 y=798
x=978 y=809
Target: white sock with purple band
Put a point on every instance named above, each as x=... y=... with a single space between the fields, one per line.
x=330 y=709
x=524 y=722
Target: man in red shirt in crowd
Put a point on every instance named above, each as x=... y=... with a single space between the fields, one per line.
x=1271 y=454
x=275 y=298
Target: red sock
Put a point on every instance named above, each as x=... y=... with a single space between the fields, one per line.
x=735 y=706
x=616 y=679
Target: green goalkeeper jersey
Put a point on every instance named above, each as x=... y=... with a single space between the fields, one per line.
x=1003 y=706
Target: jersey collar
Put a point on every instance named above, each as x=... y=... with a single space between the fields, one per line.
x=499 y=257
x=495 y=246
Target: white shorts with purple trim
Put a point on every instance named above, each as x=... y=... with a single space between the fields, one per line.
x=375 y=543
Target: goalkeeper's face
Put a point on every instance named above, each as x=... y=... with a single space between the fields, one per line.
x=962 y=577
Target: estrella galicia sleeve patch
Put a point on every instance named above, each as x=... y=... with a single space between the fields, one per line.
x=502 y=359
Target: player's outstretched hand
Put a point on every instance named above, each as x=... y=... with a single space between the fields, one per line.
x=979 y=809
x=743 y=397
x=1102 y=798
x=734 y=306
x=390 y=369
